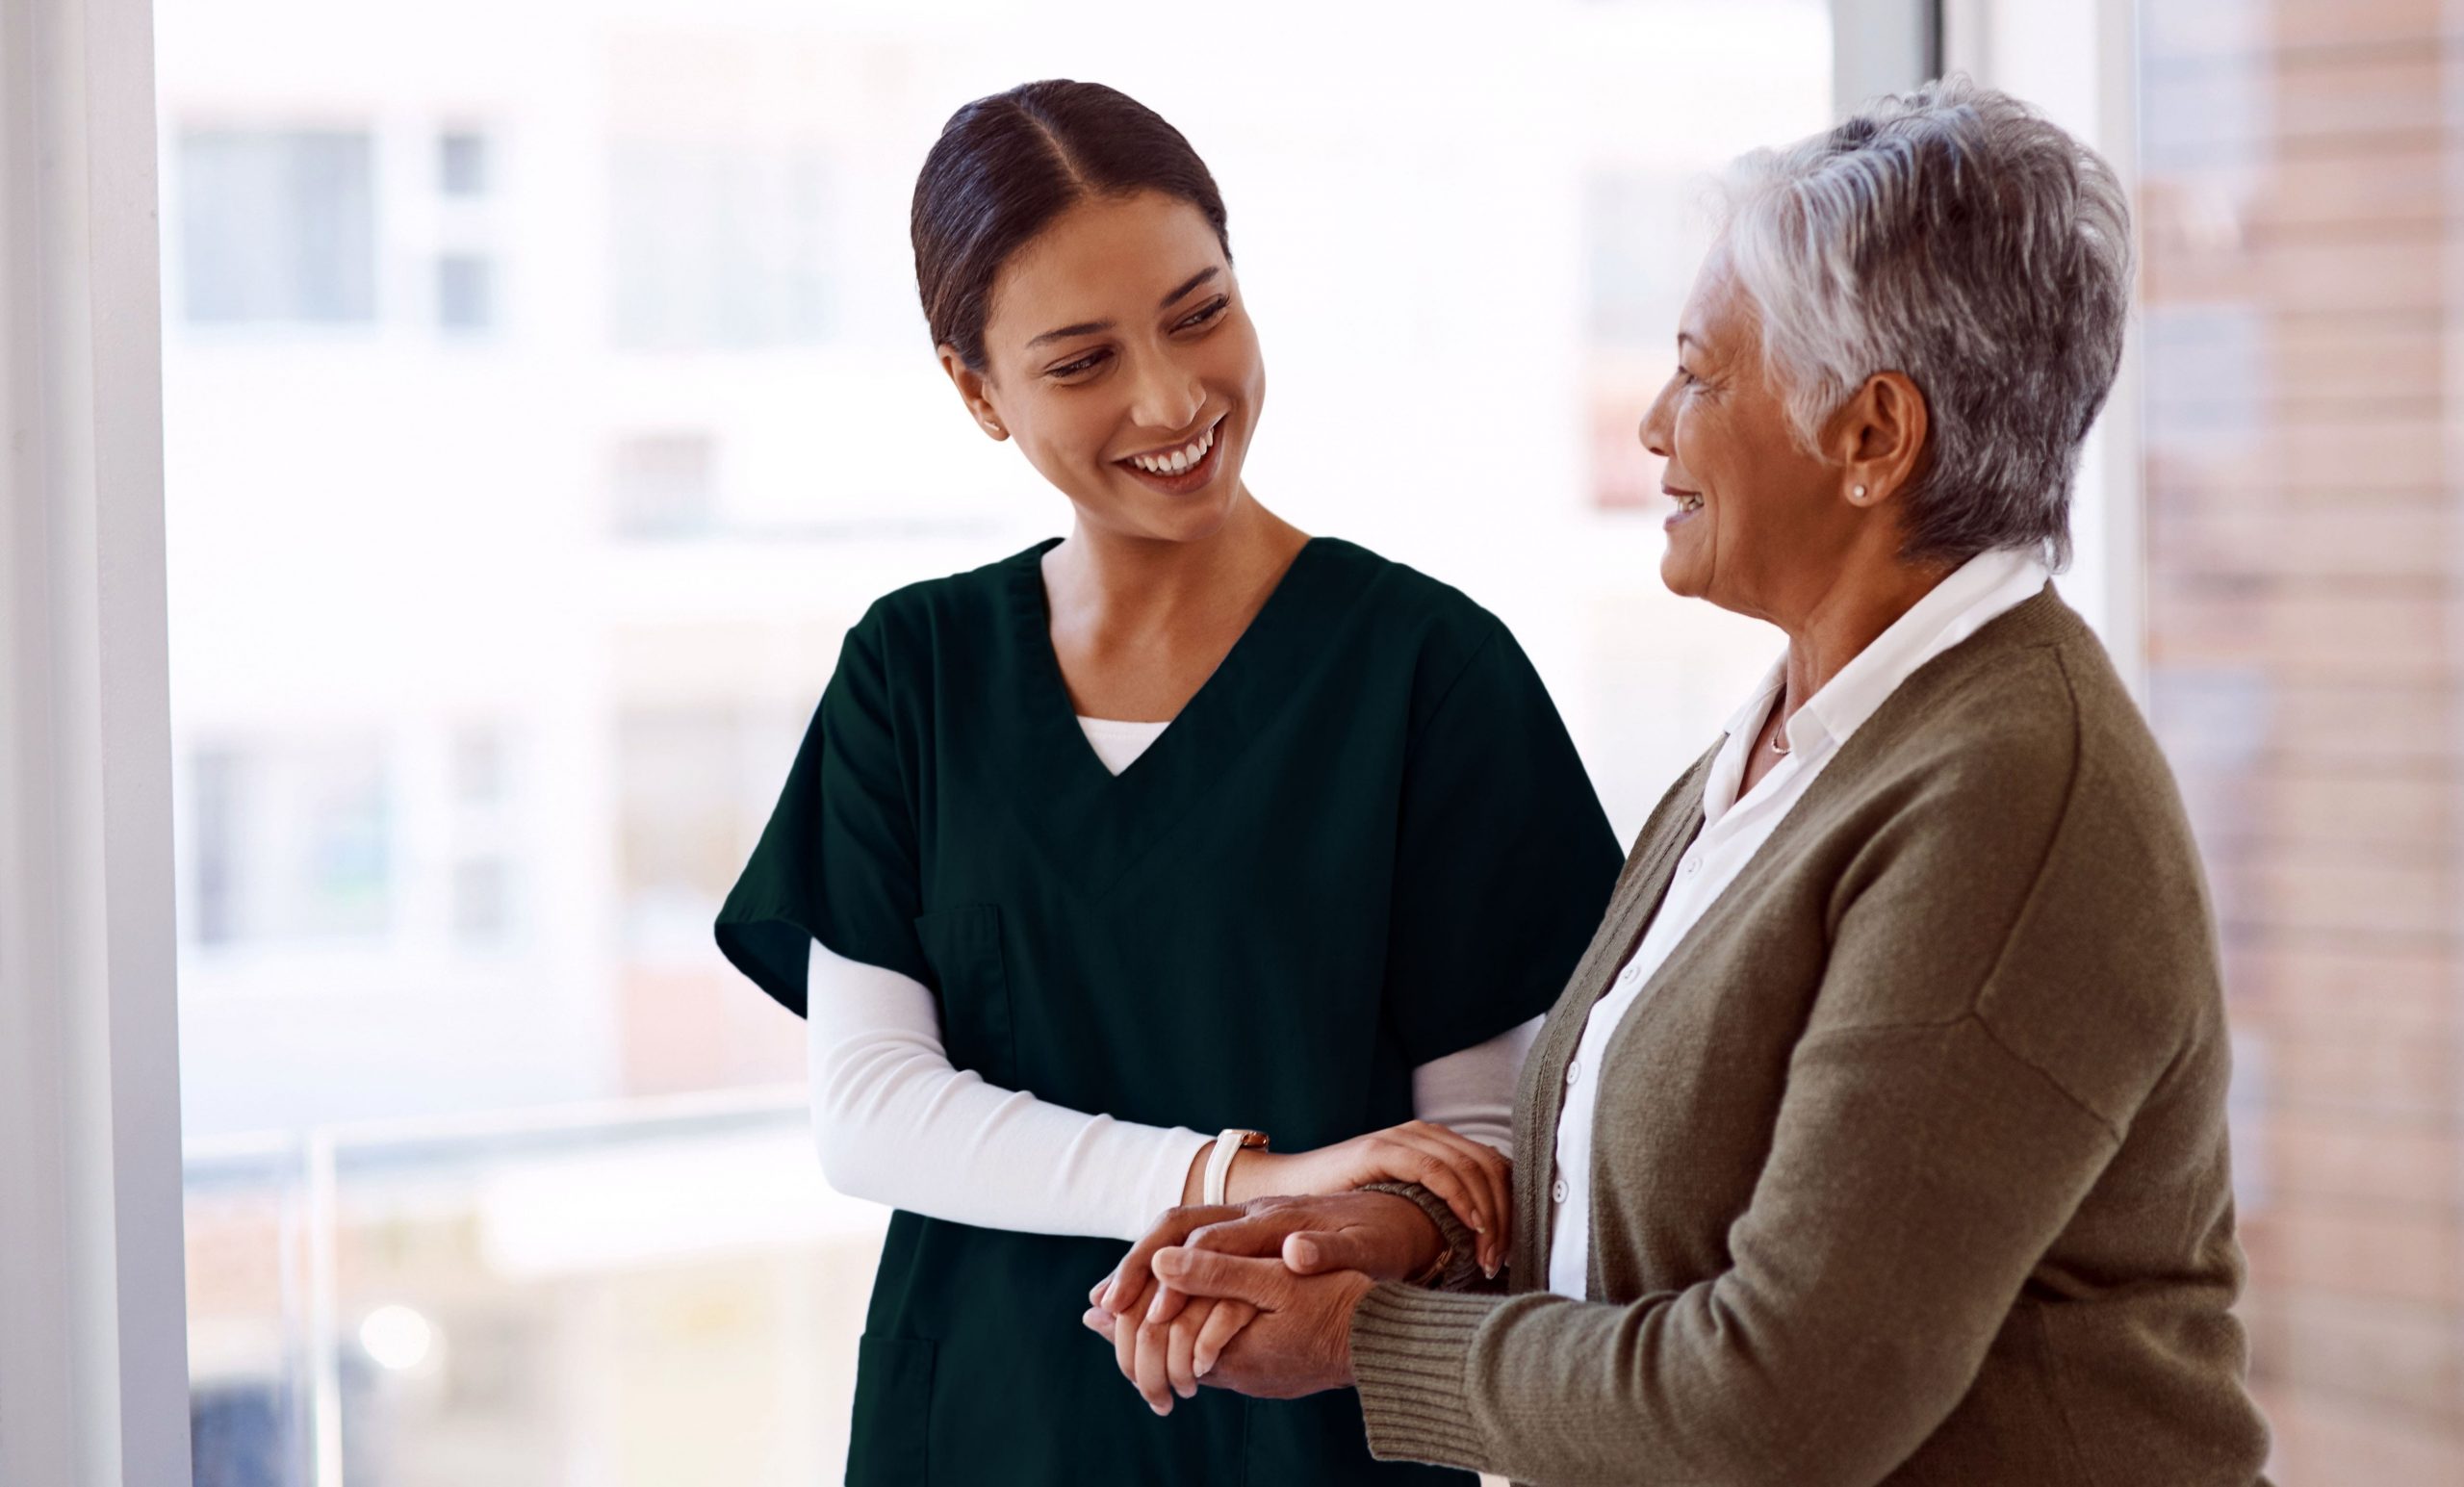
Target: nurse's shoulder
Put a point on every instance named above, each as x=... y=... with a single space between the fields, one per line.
x=921 y=623
x=1408 y=618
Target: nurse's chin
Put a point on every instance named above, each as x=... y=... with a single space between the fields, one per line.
x=1185 y=520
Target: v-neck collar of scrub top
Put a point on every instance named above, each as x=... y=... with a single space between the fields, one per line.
x=1094 y=826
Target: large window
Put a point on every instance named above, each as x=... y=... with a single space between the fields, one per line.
x=496 y=621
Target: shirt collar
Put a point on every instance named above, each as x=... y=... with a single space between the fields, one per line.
x=1975 y=592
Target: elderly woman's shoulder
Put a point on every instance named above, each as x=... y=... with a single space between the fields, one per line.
x=2027 y=731
x=2038 y=694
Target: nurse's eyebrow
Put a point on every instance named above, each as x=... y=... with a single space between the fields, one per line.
x=1192 y=282
x=1090 y=327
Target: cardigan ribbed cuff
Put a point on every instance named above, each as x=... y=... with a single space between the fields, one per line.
x=1410 y=1347
x=1462 y=1269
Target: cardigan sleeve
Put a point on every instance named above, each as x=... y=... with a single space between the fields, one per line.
x=1997 y=979
x=1916 y=1177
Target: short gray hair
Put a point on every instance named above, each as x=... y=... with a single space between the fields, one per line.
x=1954 y=235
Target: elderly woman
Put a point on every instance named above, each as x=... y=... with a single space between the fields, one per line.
x=1880 y=1134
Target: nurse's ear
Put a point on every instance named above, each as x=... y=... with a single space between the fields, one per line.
x=974 y=389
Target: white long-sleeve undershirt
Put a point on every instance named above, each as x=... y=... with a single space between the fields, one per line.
x=897 y=1124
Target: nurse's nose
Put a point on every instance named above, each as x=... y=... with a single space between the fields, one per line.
x=1167 y=398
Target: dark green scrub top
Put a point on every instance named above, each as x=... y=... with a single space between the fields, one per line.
x=1367 y=842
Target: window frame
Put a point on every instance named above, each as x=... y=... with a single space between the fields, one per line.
x=94 y=1337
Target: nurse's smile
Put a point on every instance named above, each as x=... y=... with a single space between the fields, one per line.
x=1179 y=468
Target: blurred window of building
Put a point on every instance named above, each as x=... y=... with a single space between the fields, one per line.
x=663 y=484
x=716 y=246
x=462 y=163
x=291 y=842
x=277 y=226
x=465 y=291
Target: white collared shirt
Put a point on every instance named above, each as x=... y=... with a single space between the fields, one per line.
x=1734 y=830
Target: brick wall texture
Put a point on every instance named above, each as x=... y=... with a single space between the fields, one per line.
x=2302 y=205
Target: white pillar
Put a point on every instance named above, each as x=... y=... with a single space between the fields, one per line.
x=1881 y=46
x=2079 y=63
x=94 y=1359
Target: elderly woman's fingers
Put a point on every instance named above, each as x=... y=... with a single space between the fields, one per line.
x=1263 y=1284
x=1128 y=1284
x=1254 y=1234
x=1351 y=1247
x=1222 y=1325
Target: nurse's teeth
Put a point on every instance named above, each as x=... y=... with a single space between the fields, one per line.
x=1179 y=461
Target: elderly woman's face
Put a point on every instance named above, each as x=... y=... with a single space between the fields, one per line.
x=1758 y=523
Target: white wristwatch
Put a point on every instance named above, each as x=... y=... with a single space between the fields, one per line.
x=1219 y=1162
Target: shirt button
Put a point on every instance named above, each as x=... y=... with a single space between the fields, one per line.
x=1557 y=1191
x=1693 y=866
x=1574 y=1073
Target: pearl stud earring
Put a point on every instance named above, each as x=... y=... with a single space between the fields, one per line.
x=1857 y=492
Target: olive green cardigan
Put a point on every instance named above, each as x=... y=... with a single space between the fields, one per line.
x=1909 y=1163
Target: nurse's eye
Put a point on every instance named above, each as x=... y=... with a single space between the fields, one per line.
x=1207 y=314
x=1079 y=367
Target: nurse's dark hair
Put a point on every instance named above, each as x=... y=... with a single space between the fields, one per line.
x=1007 y=166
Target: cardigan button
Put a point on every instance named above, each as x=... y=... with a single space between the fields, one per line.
x=1574 y=1073
x=1557 y=1191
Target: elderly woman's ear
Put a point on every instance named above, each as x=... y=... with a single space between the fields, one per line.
x=1878 y=438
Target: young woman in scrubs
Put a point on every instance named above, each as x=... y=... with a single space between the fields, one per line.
x=1188 y=823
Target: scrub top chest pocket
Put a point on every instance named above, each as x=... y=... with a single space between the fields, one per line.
x=963 y=944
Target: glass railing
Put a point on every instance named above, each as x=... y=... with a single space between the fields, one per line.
x=643 y=1291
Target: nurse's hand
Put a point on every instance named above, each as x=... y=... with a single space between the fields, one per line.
x=1475 y=1179
x=1169 y=1341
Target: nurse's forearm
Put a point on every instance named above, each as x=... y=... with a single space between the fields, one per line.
x=1473 y=1091
x=1470 y=1091
x=896 y=1124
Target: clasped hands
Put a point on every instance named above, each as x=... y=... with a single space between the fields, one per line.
x=1256 y=1296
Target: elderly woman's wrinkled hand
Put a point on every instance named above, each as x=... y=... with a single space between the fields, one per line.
x=1297 y=1339
x=1165 y=1341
